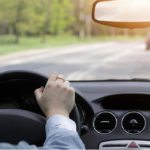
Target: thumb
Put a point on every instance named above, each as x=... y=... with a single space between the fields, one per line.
x=38 y=93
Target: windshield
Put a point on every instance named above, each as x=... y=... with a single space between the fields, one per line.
x=60 y=35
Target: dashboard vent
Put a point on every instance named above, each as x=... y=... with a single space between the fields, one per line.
x=105 y=123
x=133 y=123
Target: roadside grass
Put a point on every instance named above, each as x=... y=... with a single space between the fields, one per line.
x=8 y=45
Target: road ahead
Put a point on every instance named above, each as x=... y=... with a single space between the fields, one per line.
x=89 y=61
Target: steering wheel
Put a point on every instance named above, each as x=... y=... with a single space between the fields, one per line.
x=17 y=124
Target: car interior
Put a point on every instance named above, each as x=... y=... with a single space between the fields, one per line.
x=110 y=114
x=102 y=120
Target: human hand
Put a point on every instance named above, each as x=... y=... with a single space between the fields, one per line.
x=57 y=97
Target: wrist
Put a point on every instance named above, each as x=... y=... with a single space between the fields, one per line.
x=50 y=114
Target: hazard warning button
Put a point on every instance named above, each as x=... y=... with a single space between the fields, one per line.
x=133 y=145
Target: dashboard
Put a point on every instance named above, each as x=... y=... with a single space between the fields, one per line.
x=113 y=114
x=121 y=114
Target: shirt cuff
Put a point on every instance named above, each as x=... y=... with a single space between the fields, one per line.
x=59 y=122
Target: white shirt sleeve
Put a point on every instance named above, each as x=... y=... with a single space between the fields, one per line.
x=59 y=121
x=61 y=134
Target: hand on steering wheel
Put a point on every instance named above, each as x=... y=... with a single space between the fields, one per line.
x=57 y=97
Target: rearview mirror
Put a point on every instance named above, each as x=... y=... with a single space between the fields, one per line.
x=122 y=13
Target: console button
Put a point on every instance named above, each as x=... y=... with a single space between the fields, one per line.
x=133 y=145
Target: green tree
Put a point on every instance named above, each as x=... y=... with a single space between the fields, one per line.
x=18 y=16
x=42 y=10
x=24 y=18
x=61 y=16
x=55 y=16
x=82 y=12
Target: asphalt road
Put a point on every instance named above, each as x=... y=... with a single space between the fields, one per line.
x=108 y=60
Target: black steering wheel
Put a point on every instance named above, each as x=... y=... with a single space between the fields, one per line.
x=17 y=124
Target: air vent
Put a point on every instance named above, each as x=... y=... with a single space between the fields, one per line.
x=105 y=123
x=133 y=123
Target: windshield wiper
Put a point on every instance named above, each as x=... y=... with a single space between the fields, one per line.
x=133 y=79
x=117 y=80
x=140 y=79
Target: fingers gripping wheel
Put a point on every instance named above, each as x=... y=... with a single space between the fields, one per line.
x=17 y=125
